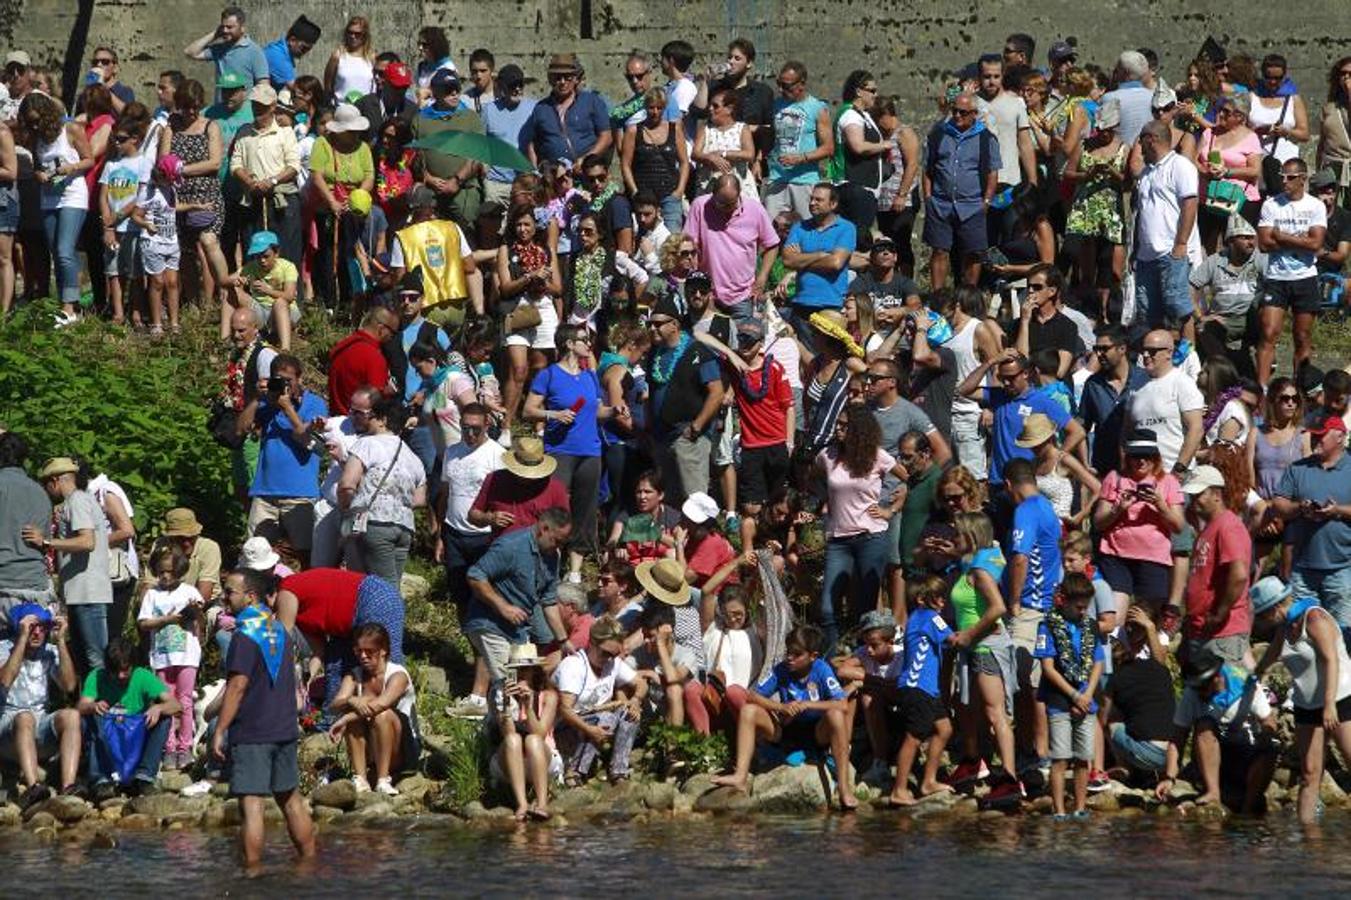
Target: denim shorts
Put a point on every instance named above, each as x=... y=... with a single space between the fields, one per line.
x=9 y=210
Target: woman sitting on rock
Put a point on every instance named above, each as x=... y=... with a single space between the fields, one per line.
x=526 y=706
x=377 y=709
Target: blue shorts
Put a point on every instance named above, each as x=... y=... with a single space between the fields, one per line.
x=261 y=770
x=943 y=232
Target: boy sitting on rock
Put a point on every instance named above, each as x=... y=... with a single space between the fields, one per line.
x=873 y=671
x=669 y=668
x=799 y=704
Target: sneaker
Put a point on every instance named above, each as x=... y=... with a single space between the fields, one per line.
x=385 y=786
x=505 y=439
x=197 y=789
x=1098 y=781
x=34 y=795
x=968 y=771
x=361 y=784
x=1006 y=790
x=64 y=319
x=1080 y=815
x=1060 y=817
x=470 y=707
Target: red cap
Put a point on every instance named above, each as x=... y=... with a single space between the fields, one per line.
x=1324 y=424
x=398 y=75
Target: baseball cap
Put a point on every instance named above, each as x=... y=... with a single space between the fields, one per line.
x=876 y=618
x=1237 y=226
x=1201 y=478
x=261 y=241
x=263 y=93
x=445 y=80
x=699 y=508
x=18 y=57
x=230 y=81
x=1323 y=178
x=510 y=77
x=1061 y=51
x=1310 y=379
x=398 y=75
x=698 y=279
x=1325 y=422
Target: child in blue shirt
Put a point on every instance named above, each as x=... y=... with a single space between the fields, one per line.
x=924 y=715
x=1071 y=655
x=799 y=702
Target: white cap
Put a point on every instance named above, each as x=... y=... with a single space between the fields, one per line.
x=1203 y=477
x=699 y=508
x=257 y=555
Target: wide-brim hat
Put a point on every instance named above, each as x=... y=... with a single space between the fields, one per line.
x=257 y=555
x=665 y=580
x=348 y=118
x=58 y=465
x=523 y=655
x=181 y=522
x=566 y=63
x=831 y=323
x=527 y=459
x=1267 y=592
x=1037 y=430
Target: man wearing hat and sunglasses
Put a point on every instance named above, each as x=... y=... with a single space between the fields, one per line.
x=1314 y=496
x=1225 y=288
x=571 y=123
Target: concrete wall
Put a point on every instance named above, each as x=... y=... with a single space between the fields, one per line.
x=908 y=44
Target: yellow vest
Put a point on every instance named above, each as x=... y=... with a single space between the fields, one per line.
x=435 y=246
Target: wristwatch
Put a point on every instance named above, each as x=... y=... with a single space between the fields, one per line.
x=1180 y=468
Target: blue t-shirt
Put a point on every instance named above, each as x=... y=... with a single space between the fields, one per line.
x=562 y=390
x=1046 y=649
x=925 y=637
x=1036 y=535
x=408 y=337
x=243 y=57
x=794 y=134
x=501 y=121
x=818 y=684
x=815 y=290
x=1009 y=415
x=281 y=71
x=286 y=469
x=587 y=119
x=1319 y=545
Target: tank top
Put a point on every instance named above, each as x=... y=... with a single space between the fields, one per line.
x=795 y=134
x=1271 y=460
x=1059 y=489
x=963 y=347
x=70 y=192
x=355 y=73
x=1301 y=662
x=1261 y=115
x=726 y=141
x=656 y=167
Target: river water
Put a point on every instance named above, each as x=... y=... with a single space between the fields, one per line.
x=870 y=855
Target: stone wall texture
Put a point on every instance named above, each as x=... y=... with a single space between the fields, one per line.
x=908 y=44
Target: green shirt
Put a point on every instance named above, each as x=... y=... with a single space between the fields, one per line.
x=915 y=511
x=140 y=691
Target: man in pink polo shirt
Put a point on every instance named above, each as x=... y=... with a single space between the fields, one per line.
x=730 y=230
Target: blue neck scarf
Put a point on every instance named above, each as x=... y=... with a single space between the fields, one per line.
x=1285 y=89
x=1299 y=608
x=960 y=135
x=260 y=626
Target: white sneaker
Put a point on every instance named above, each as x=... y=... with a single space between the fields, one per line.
x=470 y=707
x=64 y=318
x=505 y=438
x=361 y=784
x=386 y=786
x=197 y=789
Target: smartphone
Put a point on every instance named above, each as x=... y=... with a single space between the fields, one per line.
x=510 y=680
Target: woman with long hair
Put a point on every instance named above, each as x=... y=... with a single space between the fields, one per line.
x=1334 y=128
x=1226 y=419
x=1278 y=114
x=529 y=282
x=61 y=157
x=197 y=140
x=9 y=215
x=856 y=546
x=99 y=119
x=1097 y=216
x=1279 y=441
x=864 y=151
x=434 y=54
x=351 y=67
x=653 y=158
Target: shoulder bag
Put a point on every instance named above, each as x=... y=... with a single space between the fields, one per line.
x=1271 y=166
x=356 y=518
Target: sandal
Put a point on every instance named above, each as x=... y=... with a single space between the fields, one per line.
x=539 y=815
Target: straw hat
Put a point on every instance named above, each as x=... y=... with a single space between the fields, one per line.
x=181 y=522
x=523 y=655
x=257 y=555
x=1037 y=430
x=831 y=323
x=665 y=580
x=58 y=465
x=527 y=459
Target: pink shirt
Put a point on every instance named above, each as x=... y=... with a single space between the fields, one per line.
x=850 y=497
x=1236 y=157
x=729 y=245
x=1141 y=532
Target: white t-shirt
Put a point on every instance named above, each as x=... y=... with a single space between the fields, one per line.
x=1159 y=404
x=891 y=671
x=1159 y=194
x=29 y=690
x=1236 y=411
x=1295 y=217
x=1006 y=116
x=575 y=676
x=171 y=645
x=736 y=653
x=407 y=702
x=1191 y=708
x=463 y=472
x=381 y=453
x=396 y=252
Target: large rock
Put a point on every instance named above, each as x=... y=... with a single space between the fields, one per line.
x=174 y=781
x=723 y=800
x=790 y=789
x=434 y=680
x=379 y=809
x=161 y=805
x=341 y=794
x=39 y=819
x=314 y=749
x=1330 y=792
x=660 y=795
x=10 y=815
x=323 y=814
x=577 y=799
x=66 y=810
x=138 y=822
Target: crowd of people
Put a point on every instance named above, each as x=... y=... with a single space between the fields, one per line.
x=630 y=392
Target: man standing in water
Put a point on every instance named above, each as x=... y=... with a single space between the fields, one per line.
x=258 y=717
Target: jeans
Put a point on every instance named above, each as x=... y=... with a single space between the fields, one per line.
x=673 y=213
x=858 y=560
x=326 y=545
x=421 y=442
x=1141 y=755
x=381 y=551
x=146 y=770
x=62 y=227
x=581 y=476
x=1162 y=292
x=1332 y=587
x=90 y=623
x=461 y=550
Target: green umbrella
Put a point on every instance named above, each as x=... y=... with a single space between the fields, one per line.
x=482 y=148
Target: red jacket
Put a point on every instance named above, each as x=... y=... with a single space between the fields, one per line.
x=355 y=361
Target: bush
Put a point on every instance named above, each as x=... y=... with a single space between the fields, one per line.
x=668 y=745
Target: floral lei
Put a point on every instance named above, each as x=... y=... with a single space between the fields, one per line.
x=588 y=279
x=1213 y=414
x=598 y=202
x=234 y=376
x=664 y=359
x=1075 y=668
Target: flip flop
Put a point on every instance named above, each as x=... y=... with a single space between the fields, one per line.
x=539 y=815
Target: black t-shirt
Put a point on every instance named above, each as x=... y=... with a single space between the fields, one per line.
x=1339 y=229
x=678 y=402
x=933 y=390
x=1056 y=333
x=895 y=286
x=268 y=712
x=1143 y=691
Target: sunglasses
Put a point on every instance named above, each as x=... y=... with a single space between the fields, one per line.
x=689 y=253
x=352 y=33
x=1036 y=287
x=953 y=498
x=657 y=323
x=559 y=76
x=1285 y=176
x=636 y=76
x=1104 y=349
x=1151 y=351
x=1288 y=398
x=104 y=62
x=787 y=85
x=871 y=378
x=472 y=429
